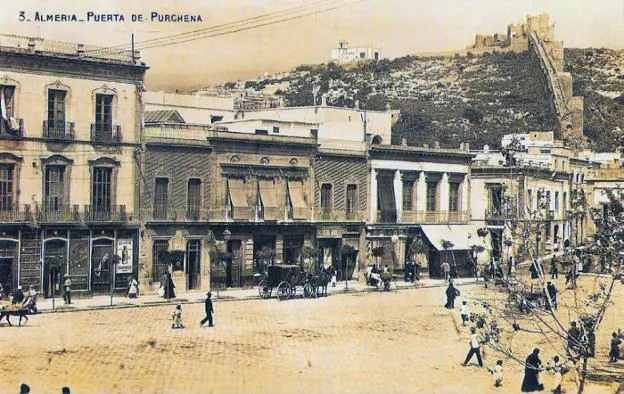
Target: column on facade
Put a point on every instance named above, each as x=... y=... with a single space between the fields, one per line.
x=444 y=193
x=398 y=193
x=373 y=195
x=465 y=195
x=421 y=193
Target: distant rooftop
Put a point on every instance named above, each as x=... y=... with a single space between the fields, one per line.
x=40 y=46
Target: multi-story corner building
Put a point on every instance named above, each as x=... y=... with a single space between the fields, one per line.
x=539 y=184
x=261 y=198
x=69 y=135
x=607 y=175
x=420 y=193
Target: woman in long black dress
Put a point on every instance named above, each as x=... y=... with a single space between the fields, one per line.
x=532 y=368
x=169 y=287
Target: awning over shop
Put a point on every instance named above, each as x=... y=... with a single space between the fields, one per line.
x=295 y=190
x=238 y=197
x=269 y=199
x=462 y=236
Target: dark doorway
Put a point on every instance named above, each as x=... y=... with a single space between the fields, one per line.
x=55 y=266
x=193 y=258
x=101 y=256
x=233 y=265
x=8 y=259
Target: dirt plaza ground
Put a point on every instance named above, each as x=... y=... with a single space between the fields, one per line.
x=395 y=342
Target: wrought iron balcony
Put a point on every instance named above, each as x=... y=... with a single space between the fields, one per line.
x=14 y=213
x=58 y=213
x=105 y=133
x=53 y=130
x=169 y=214
x=113 y=213
x=434 y=217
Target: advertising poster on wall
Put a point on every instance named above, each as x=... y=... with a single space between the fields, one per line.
x=124 y=251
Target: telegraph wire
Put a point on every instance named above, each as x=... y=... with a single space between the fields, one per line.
x=261 y=17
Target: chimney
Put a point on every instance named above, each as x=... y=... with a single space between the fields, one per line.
x=80 y=50
x=436 y=144
x=403 y=141
x=324 y=100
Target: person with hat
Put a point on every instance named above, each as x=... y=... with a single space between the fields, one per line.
x=209 y=311
x=18 y=296
x=67 y=289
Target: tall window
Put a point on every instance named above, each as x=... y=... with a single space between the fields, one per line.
x=326 y=197
x=193 y=199
x=160 y=198
x=495 y=200
x=453 y=197
x=101 y=188
x=6 y=187
x=56 y=113
x=556 y=201
x=530 y=197
x=103 y=113
x=432 y=196
x=7 y=100
x=54 y=188
x=351 y=198
x=408 y=195
x=159 y=247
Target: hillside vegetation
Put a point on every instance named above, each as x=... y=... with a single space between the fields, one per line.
x=599 y=77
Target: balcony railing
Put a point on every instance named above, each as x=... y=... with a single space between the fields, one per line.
x=170 y=214
x=58 y=130
x=58 y=213
x=387 y=216
x=113 y=213
x=338 y=216
x=434 y=217
x=105 y=133
x=16 y=214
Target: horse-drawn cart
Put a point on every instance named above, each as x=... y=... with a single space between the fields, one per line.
x=288 y=281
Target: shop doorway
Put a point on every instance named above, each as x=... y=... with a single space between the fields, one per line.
x=234 y=264
x=101 y=257
x=193 y=258
x=8 y=264
x=55 y=266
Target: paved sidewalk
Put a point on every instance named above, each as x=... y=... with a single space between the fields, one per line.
x=104 y=302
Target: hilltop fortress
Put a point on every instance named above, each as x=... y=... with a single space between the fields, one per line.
x=537 y=35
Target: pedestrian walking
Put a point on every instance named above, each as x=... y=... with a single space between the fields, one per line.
x=510 y=266
x=535 y=273
x=554 y=268
x=591 y=342
x=415 y=274
x=552 y=293
x=614 y=352
x=209 y=311
x=334 y=277
x=574 y=338
x=557 y=369
x=169 y=286
x=446 y=269
x=67 y=289
x=451 y=294
x=532 y=368
x=463 y=311
x=133 y=288
x=497 y=373
x=176 y=317
x=475 y=347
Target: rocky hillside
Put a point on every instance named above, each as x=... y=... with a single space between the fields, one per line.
x=474 y=99
x=599 y=77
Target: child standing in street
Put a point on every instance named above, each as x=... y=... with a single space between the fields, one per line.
x=176 y=316
x=497 y=373
x=463 y=311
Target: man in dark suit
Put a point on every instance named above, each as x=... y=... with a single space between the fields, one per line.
x=209 y=311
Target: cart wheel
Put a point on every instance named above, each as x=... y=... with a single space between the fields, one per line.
x=309 y=291
x=264 y=289
x=284 y=291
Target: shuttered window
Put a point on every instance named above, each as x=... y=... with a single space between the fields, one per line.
x=453 y=197
x=6 y=187
x=54 y=187
x=351 y=198
x=101 y=189
x=326 y=197
x=56 y=112
x=432 y=196
x=193 y=198
x=161 y=190
x=103 y=113
x=408 y=195
x=159 y=259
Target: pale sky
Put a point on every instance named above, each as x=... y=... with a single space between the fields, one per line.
x=397 y=27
